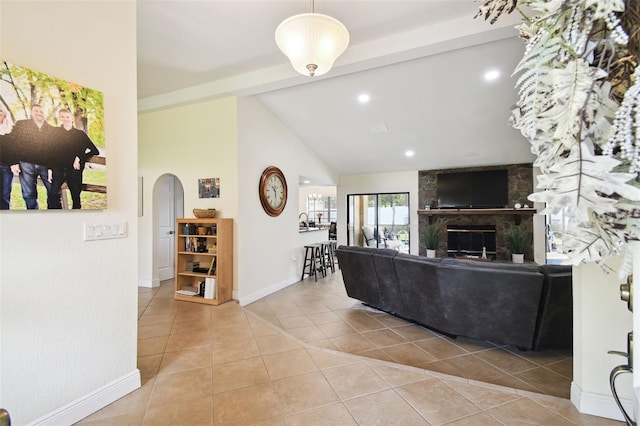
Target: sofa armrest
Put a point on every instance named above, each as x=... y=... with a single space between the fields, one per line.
x=359 y=274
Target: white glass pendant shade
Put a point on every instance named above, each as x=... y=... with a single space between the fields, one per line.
x=312 y=42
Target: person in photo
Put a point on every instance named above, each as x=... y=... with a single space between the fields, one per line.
x=74 y=148
x=6 y=172
x=32 y=137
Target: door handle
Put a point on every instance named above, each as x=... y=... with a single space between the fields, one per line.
x=628 y=368
x=171 y=232
x=5 y=419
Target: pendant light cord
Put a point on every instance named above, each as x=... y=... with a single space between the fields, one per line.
x=312 y=8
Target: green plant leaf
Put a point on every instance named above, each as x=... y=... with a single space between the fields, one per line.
x=517 y=240
x=431 y=237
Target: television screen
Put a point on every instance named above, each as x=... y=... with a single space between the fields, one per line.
x=481 y=189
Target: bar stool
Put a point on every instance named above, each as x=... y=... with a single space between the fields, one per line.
x=328 y=248
x=313 y=261
x=334 y=246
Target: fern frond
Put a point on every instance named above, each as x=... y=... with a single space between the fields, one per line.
x=540 y=51
x=570 y=93
x=588 y=242
x=583 y=182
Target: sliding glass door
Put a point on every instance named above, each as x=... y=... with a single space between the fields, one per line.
x=379 y=220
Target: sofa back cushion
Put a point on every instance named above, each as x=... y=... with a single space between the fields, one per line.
x=491 y=301
x=419 y=289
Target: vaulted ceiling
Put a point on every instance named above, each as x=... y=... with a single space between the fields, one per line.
x=421 y=62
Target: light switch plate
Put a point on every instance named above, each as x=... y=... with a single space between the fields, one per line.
x=93 y=232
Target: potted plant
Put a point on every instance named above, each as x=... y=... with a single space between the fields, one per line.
x=517 y=240
x=431 y=239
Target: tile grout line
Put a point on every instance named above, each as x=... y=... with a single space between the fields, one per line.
x=427 y=373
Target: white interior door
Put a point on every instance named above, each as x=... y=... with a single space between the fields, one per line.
x=165 y=209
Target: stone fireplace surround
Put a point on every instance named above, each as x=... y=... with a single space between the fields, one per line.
x=520 y=185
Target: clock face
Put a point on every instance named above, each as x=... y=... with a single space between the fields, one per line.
x=273 y=191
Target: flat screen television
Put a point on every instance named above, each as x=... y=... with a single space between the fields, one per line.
x=478 y=190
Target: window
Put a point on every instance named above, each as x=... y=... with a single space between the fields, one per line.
x=556 y=225
x=321 y=208
x=379 y=220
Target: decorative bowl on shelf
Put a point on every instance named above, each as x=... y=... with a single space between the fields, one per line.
x=204 y=213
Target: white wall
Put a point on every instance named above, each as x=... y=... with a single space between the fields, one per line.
x=68 y=308
x=374 y=183
x=191 y=142
x=234 y=139
x=601 y=323
x=270 y=248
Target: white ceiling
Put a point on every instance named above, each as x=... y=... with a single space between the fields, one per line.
x=421 y=61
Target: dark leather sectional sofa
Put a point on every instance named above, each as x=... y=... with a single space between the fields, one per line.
x=525 y=305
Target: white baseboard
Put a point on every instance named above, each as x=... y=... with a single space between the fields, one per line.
x=599 y=405
x=92 y=402
x=267 y=291
x=149 y=283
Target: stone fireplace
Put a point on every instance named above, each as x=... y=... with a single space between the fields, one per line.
x=520 y=177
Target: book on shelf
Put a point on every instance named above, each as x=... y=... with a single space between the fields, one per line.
x=212 y=267
x=195 y=244
x=210 y=288
x=190 y=266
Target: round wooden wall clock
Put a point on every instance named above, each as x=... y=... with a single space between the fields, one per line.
x=273 y=191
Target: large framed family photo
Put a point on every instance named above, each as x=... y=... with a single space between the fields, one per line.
x=52 y=145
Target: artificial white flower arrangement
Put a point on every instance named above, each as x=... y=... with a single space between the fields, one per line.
x=579 y=107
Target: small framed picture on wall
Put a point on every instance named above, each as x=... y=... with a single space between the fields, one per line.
x=209 y=188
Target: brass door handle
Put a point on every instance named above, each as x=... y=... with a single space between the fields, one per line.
x=5 y=419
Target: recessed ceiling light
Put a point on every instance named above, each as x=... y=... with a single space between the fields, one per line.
x=491 y=75
x=364 y=98
x=306 y=181
x=409 y=153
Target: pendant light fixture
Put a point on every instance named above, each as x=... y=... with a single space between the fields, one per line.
x=312 y=41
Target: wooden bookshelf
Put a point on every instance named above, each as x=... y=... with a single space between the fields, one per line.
x=209 y=242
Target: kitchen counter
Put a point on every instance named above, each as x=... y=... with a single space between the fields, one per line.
x=303 y=230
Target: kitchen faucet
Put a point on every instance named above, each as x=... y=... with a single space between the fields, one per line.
x=306 y=222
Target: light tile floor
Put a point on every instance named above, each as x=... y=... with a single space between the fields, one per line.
x=226 y=365
x=322 y=315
